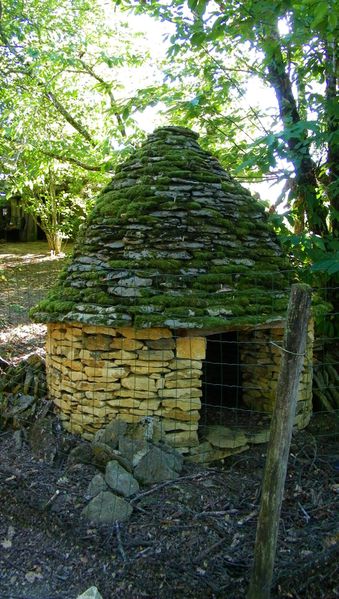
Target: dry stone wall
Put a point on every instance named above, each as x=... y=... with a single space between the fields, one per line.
x=96 y=374
x=260 y=355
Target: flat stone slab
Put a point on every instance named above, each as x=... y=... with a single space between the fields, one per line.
x=91 y=593
x=221 y=436
x=158 y=466
x=258 y=437
x=119 y=480
x=107 y=508
x=96 y=485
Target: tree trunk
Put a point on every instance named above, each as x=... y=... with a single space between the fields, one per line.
x=307 y=200
x=332 y=63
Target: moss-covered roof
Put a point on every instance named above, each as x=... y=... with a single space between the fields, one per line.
x=175 y=241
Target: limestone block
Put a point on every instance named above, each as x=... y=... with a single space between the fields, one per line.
x=97 y=386
x=192 y=348
x=72 y=352
x=173 y=425
x=182 y=438
x=82 y=418
x=90 y=329
x=54 y=389
x=73 y=333
x=222 y=437
x=187 y=373
x=121 y=355
x=93 y=363
x=141 y=383
x=160 y=383
x=69 y=387
x=67 y=344
x=75 y=376
x=150 y=404
x=90 y=403
x=155 y=333
x=182 y=383
x=206 y=453
x=86 y=354
x=112 y=373
x=180 y=393
x=155 y=355
x=258 y=437
x=149 y=369
x=123 y=402
x=182 y=415
x=72 y=364
x=104 y=395
x=126 y=344
x=135 y=394
x=58 y=333
x=193 y=403
x=181 y=364
x=142 y=411
x=65 y=406
x=129 y=418
x=161 y=344
x=96 y=342
x=95 y=411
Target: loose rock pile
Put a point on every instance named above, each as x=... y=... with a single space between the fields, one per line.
x=22 y=389
x=126 y=457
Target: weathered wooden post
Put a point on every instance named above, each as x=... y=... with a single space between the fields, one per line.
x=280 y=440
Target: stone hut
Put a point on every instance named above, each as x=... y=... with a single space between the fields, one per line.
x=172 y=308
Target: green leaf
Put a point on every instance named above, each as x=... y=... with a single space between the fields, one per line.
x=333 y=21
x=198 y=6
x=320 y=12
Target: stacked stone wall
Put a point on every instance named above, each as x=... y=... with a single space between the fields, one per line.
x=96 y=374
x=260 y=354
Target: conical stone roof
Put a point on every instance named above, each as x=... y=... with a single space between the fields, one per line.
x=172 y=241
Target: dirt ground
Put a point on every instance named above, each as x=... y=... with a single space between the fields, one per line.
x=191 y=538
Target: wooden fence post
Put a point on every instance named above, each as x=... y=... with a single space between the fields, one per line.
x=280 y=440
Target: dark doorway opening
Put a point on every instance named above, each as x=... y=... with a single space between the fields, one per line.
x=221 y=380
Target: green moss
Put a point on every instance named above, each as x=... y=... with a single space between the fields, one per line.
x=211 y=278
x=202 y=255
x=229 y=269
x=168 y=300
x=55 y=306
x=230 y=186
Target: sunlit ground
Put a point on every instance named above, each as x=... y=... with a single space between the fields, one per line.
x=17 y=342
x=27 y=272
x=30 y=252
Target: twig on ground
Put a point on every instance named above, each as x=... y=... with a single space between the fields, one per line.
x=167 y=483
x=203 y=554
x=120 y=546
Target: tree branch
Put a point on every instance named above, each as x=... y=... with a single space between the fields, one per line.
x=48 y=94
x=67 y=116
x=87 y=167
x=108 y=90
x=298 y=145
